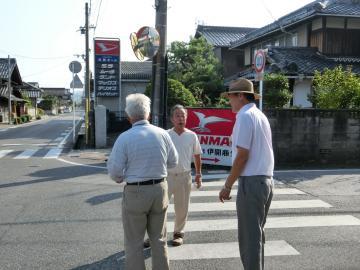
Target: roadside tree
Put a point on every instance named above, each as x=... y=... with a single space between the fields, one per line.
x=177 y=94
x=195 y=65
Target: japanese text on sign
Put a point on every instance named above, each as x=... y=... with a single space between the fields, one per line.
x=214 y=128
x=107 y=72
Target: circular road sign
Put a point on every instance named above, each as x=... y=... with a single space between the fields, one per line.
x=259 y=61
x=75 y=67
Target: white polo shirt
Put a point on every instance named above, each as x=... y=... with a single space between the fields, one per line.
x=187 y=145
x=252 y=131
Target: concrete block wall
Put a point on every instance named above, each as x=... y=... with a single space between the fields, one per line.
x=315 y=137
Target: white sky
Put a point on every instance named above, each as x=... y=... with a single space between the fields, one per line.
x=42 y=34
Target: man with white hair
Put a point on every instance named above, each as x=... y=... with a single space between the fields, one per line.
x=141 y=157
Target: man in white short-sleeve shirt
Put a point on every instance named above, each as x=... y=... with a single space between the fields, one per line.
x=253 y=165
x=179 y=178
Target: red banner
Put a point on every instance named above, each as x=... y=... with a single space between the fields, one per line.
x=214 y=128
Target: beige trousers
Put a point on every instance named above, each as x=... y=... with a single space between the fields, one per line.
x=144 y=209
x=180 y=187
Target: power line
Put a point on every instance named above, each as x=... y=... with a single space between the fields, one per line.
x=35 y=58
x=45 y=70
x=97 y=17
x=268 y=10
x=275 y=20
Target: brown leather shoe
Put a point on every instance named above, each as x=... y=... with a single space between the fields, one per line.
x=178 y=239
x=147 y=243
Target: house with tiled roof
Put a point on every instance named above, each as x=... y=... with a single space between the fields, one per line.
x=322 y=34
x=17 y=103
x=220 y=37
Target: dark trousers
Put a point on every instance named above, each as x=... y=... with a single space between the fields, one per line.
x=252 y=204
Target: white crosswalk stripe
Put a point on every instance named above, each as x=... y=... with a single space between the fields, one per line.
x=26 y=154
x=231 y=206
x=58 y=139
x=4 y=152
x=271 y=223
x=53 y=153
x=221 y=250
x=30 y=153
x=221 y=182
x=226 y=250
x=215 y=193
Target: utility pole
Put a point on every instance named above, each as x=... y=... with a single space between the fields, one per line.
x=159 y=65
x=9 y=88
x=85 y=30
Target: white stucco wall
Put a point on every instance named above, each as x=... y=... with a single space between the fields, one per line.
x=301 y=91
x=113 y=103
x=302 y=36
x=332 y=22
x=316 y=24
x=353 y=23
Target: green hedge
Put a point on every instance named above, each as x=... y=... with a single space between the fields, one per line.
x=22 y=119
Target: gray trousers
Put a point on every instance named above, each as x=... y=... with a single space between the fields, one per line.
x=252 y=204
x=144 y=209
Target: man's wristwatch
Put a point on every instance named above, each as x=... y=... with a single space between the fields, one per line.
x=198 y=174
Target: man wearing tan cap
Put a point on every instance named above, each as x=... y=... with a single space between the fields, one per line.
x=253 y=165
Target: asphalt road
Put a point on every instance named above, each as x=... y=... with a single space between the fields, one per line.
x=60 y=215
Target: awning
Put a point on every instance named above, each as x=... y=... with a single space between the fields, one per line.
x=13 y=98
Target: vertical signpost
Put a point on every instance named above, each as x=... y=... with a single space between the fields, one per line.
x=107 y=68
x=259 y=65
x=75 y=67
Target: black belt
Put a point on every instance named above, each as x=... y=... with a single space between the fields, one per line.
x=147 y=182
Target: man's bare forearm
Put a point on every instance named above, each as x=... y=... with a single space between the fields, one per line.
x=237 y=167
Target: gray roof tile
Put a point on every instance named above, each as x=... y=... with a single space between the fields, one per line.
x=4 y=67
x=299 y=60
x=318 y=7
x=221 y=36
x=136 y=70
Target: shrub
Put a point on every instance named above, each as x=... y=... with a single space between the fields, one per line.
x=40 y=111
x=23 y=118
x=17 y=120
x=276 y=92
x=336 y=89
